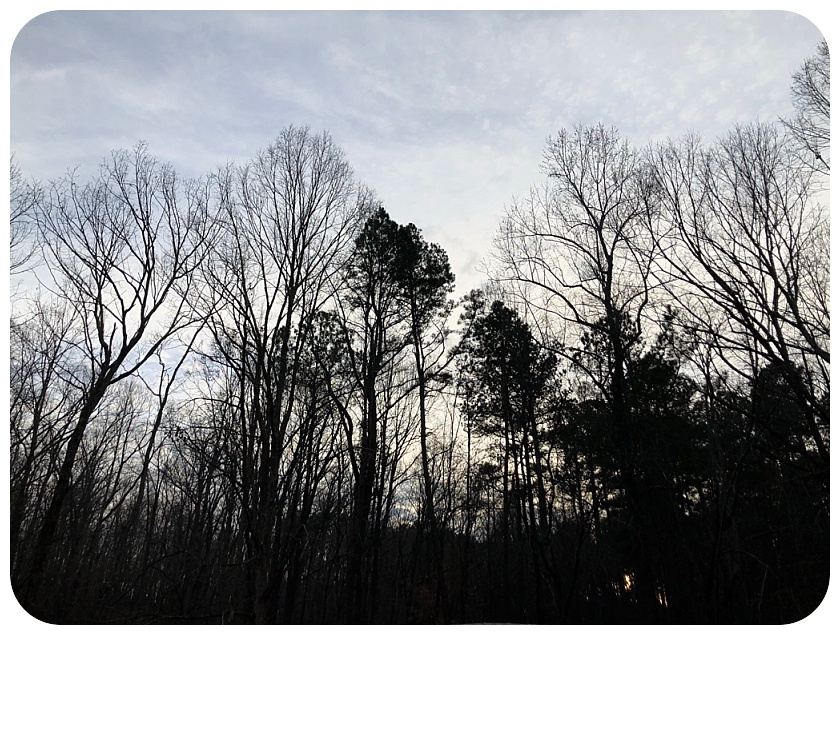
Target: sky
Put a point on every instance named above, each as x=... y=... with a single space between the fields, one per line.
x=444 y=114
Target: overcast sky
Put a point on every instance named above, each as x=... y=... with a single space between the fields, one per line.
x=444 y=114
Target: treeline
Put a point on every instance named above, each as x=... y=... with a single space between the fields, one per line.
x=250 y=398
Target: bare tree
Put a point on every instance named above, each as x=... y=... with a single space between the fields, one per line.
x=23 y=198
x=747 y=245
x=811 y=95
x=576 y=251
x=122 y=251
x=43 y=401
x=578 y=255
x=289 y=216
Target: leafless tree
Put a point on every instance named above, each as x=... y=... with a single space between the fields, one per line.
x=811 y=95
x=576 y=251
x=289 y=216
x=23 y=198
x=746 y=241
x=122 y=252
x=43 y=400
x=579 y=255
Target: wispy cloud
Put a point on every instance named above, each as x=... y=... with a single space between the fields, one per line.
x=444 y=113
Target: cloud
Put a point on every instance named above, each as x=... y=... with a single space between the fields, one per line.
x=444 y=113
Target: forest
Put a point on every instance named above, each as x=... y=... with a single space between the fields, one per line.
x=255 y=398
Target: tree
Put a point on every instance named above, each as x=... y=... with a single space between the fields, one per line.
x=122 y=251
x=579 y=254
x=505 y=374
x=811 y=96
x=747 y=250
x=370 y=330
x=23 y=198
x=43 y=401
x=425 y=279
x=289 y=217
x=394 y=298
x=744 y=240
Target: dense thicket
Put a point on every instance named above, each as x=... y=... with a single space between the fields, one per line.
x=246 y=398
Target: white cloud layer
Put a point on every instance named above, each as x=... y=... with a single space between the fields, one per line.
x=444 y=114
